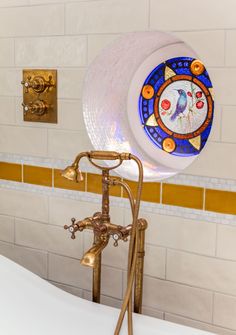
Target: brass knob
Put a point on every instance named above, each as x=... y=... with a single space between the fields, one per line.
x=38 y=84
x=72 y=228
x=38 y=107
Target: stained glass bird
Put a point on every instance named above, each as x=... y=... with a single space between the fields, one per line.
x=181 y=104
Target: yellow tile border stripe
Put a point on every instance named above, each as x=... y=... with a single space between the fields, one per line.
x=172 y=194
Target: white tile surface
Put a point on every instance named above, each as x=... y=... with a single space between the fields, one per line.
x=97 y=42
x=46 y=237
x=201 y=271
x=152 y=312
x=180 y=299
x=226 y=242
x=179 y=233
x=33 y=260
x=155 y=261
x=7 y=52
x=111 y=282
x=73 y=273
x=200 y=40
x=6 y=228
x=67 y=144
x=24 y=205
x=223 y=82
x=32 y=21
x=70 y=83
x=62 y=51
x=212 y=161
x=228 y=120
x=184 y=16
x=23 y=140
x=224 y=311
x=230 y=48
x=10 y=82
x=106 y=16
x=9 y=3
x=199 y=325
x=7 y=110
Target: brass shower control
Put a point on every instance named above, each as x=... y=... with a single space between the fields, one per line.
x=38 y=107
x=40 y=95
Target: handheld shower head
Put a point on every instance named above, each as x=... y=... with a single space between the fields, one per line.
x=72 y=173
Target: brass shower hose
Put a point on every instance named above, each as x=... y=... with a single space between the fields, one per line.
x=133 y=253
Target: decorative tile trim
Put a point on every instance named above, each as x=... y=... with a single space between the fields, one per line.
x=11 y=171
x=155 y=208
x=222 y=184
x=37 y=175
x=181 y=196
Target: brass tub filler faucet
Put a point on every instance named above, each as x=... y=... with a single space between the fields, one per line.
x=104 y=229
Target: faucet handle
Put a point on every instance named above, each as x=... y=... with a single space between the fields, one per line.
x=72 y=228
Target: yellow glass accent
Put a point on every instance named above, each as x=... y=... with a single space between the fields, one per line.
x=211 y=90
x=183 y=196
x=61 y=182
x=151 y=191
x=37 y=175
x=169 y=73
x=152 y=122
x=10 y=171
x=196 y=142
x=94 y=185
x=147 y=91
x=220 y=201
x=169 y=144
x=197 y=67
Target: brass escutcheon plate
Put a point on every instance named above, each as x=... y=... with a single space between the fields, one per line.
x=40 y=95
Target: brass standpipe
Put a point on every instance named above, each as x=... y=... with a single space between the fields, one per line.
x=104 y=229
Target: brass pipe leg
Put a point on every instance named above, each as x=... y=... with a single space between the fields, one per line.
x=138 y=284
x=97 y=278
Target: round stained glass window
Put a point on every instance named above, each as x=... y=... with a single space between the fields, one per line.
x=176 y=106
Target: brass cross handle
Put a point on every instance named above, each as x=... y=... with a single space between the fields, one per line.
x=38 y=107
x=72 y=228
x=39 y=84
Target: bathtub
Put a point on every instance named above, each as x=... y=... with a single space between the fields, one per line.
x=30 y=305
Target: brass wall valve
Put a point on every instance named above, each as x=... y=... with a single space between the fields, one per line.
x=40 y=95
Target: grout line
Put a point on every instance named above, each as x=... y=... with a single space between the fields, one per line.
x=22 y=173
x=204 y=199
x=14 y=231
x=216 y=240
x=161 y=193
x=221 y=124
x=149 y=14
x=213 y=307
x=188 y=318
x=166 y=257
x=225 y=44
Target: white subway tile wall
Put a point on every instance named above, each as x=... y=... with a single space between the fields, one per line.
x=190 y=269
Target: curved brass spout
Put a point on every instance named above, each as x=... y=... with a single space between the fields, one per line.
x=89 y=258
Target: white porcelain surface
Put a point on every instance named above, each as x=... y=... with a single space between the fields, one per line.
x=31 y=306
